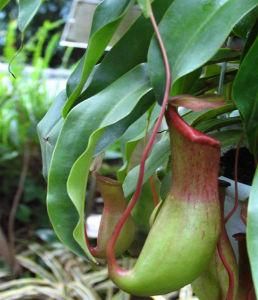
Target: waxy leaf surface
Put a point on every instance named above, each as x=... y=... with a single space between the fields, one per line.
x=119 y=60
x=106 y=19
x=193 y=31
x=48 y=131
x=92 y=125
x=245 y=94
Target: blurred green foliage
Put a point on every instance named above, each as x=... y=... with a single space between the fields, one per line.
x=24 y=99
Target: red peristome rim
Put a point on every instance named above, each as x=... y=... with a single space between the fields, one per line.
x=190 y=133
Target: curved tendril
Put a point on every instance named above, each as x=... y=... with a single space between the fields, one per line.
x=233 y=210
x=230 y=292
x=111 y=245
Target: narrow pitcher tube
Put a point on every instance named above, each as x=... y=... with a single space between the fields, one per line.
x=114 y=205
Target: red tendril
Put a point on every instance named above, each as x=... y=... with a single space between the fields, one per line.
x=233 y=210
x=111 y=245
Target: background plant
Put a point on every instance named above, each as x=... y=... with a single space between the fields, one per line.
x=24 y=99
x=122 y=99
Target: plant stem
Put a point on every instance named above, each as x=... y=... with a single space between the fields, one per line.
x=233 y=210
x=111 y=245
x=15 y=204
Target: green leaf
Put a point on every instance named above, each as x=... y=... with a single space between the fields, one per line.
x=48 y=131
x=252 y=230
x=187 y=28
x=185 y=83
x=215 y=124
x=3 y=3
x=245 y=95
x=106 y=19
x=109 y=69
x=92 y=125
x=27 y=10
x=105 y=73
x=157 y=158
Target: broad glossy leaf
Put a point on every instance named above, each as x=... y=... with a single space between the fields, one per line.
x=92 y=125
x=106 y=19
x=119 y=60
x=27 y=10
x=157 y=158
x=48 y=131
x=3 y=3
x=187 y=28
x=109 y=70
x=252 y=230
x=245 y=94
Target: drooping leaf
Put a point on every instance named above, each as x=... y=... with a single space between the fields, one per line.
x=245 y=94
x=108 y=70
x=187 y=28
x=48 y=131
x=106 y=19
x=27 y=11
x=119 y=60
x=252 y=230
x=92 y=125
x=3 y=3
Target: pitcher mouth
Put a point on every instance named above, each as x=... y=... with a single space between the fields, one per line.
x=187 y=131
